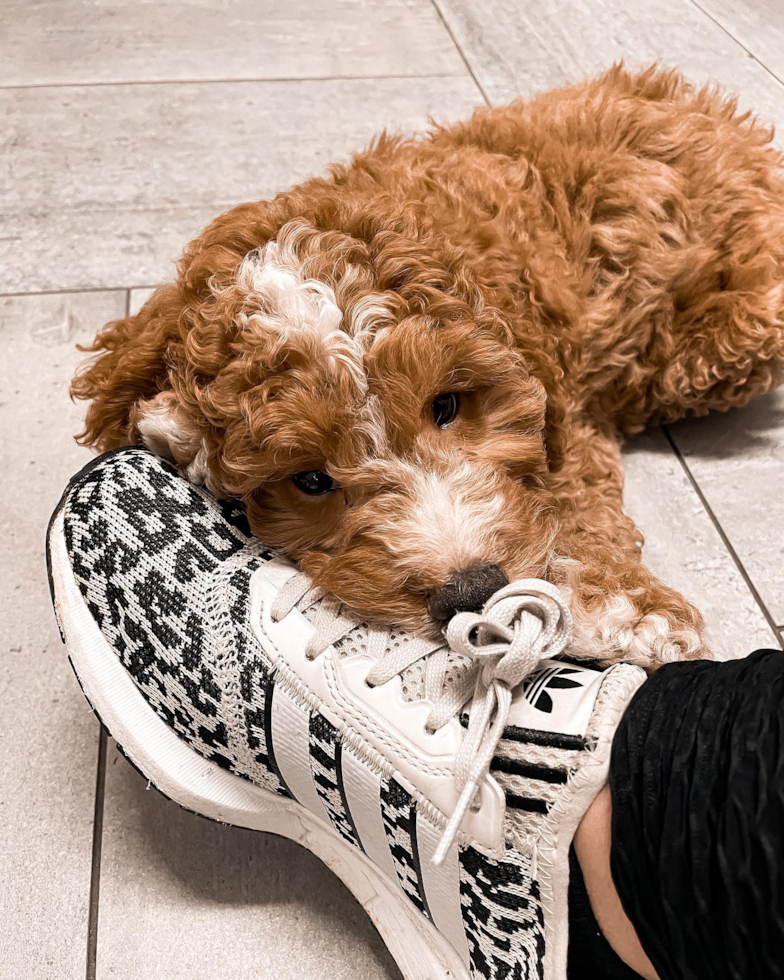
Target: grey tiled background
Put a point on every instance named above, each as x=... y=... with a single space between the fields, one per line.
x=126 y=126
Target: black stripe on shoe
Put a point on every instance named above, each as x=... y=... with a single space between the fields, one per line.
x=530 y=770
x=552 y=740
x=528 y=803
x=535 y=736
x=417 y=861
x=398 y=812
x=269 y=692
x=325 y=758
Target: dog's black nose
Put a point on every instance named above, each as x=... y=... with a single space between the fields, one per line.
x=466 y=591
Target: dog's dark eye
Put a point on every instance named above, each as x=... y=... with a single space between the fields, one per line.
x=445 y=408
x=314 y=482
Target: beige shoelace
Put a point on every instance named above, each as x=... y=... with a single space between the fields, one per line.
x=520 y=625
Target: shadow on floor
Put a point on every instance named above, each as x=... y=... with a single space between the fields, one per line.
x=754 y=429
x=197 y=861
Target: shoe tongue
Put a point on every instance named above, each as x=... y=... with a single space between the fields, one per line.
x=355 y=643
x=414 y=676
x=352 y=644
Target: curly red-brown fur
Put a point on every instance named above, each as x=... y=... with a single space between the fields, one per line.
x=577 y=266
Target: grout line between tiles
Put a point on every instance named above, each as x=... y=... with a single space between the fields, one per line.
x=228 y=81
x=95 y=869
x=74 y=290
x=127 y=303
x=777 y=630
x=737 y=41
x=460 y=51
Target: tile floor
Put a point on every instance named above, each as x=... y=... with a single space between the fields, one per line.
x=127 y=125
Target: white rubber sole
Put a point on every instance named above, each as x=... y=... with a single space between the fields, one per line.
x=197 y=784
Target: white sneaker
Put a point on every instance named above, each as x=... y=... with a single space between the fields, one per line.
x=442 y=786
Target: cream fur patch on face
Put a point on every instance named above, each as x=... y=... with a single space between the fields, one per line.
x=290 y=302
x=448 y=525
x=284 y=306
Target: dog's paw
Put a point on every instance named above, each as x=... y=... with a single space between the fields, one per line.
x=617 y=630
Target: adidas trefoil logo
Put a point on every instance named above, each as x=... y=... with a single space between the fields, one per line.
x=551 y=678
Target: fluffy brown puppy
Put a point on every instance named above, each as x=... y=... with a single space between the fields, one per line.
x=416 y=371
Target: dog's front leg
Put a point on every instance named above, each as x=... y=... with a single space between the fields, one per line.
x=629 y=615
x=621 y=610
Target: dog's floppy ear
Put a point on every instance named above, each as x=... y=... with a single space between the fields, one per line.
x=166 y=428
x=130 y=366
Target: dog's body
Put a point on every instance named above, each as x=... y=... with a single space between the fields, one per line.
x=416 y=371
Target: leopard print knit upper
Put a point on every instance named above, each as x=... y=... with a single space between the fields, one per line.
x=165 y=568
